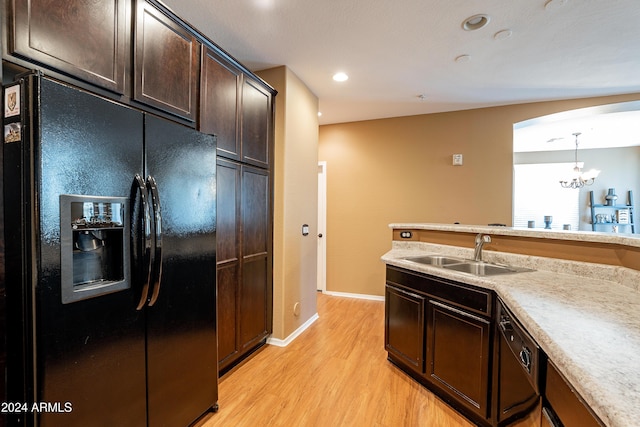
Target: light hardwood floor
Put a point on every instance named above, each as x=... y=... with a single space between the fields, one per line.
x=335 y=374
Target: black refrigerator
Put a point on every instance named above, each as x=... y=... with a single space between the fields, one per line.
x=110 y=262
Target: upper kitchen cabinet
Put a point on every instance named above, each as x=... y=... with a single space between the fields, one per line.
x=256 y=123
x=220 y=88
x=166 y=62
x=89 y=40
x=238 y=108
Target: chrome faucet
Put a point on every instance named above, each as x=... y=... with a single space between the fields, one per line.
x=481 y=239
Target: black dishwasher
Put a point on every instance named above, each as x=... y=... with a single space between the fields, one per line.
x=517 y=369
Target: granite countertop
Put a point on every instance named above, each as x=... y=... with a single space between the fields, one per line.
x=578 y=313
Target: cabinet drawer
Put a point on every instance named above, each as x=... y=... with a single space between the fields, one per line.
x=471 y=298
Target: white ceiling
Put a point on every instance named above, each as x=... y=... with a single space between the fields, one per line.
x=606 y=126
x=395 y=51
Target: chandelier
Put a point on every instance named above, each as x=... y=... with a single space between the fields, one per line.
x=579 y=178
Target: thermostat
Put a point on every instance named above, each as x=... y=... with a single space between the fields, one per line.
x=457 y=160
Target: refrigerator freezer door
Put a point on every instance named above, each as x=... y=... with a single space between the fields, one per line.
x=90 y=353
x=181 y=325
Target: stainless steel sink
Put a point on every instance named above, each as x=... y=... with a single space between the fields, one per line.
x=484 y=268
x=437 y=260
x=477 y=268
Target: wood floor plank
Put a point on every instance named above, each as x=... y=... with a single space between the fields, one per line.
x=335 y=374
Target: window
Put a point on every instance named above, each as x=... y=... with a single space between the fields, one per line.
x=537 y=193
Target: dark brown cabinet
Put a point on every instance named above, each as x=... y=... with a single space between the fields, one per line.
x=458 y=354
x=93 y=41
x=89 y=40
x=255 y=292
x=439 y=332
x=219 y=103
x=227 y=258
x=404 y=326
x=563 y=403
x=244 y=265
x=166 y=63
x=238 y=108
x=256 y=123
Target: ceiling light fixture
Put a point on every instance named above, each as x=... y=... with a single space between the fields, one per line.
x=579 y=178
x=340 y=77
x=475 y=22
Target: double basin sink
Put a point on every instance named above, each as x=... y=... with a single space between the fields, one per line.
x=477 y=268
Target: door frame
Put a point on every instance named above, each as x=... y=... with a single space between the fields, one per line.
x=322 y=227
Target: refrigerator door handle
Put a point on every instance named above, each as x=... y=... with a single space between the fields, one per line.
x=146 y=230
x=157 y=212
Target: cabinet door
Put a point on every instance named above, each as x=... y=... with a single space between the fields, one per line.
x=569 y=407
x=86 y=39
x=166 y=63
x=458 y=355
x=404 y=327
x=227 y=258
x=256 y=123
x=255 y=292
x=220 y=89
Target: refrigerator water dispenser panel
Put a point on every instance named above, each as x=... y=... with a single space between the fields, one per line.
x=94 y=235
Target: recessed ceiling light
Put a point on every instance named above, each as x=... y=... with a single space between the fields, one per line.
x=340 y=77
x=475 y=22
x=463 y=58
x=503 y=34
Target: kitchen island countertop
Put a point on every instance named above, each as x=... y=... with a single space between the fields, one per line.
x=588 y=325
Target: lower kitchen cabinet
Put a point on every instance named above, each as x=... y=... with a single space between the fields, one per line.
x=440 y=333
x=562 y=404
x=244 y=266
x=404 y=326
x=462 y=343
x=458 y=355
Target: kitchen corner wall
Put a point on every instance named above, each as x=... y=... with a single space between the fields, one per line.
x=400 y=170
x=295 y=201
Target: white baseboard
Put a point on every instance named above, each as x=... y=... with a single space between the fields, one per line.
x=358 y=296
x=283 y=343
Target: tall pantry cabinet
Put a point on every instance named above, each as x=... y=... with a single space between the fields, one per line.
x=238 y=108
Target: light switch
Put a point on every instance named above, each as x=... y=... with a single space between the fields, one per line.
x=305 y=229
x=457 y=160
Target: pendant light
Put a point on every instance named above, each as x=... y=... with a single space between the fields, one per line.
x=580 y=179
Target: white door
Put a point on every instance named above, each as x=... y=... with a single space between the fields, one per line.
x=322 y=226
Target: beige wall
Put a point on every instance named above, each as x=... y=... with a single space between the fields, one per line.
x=295 y=201
x=399 y=170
